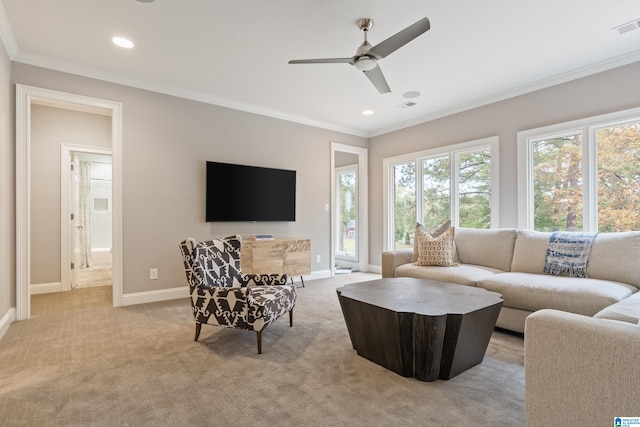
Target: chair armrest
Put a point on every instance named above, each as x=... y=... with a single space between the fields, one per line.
x=393 y=259
x=580 y=369
x=264 y=279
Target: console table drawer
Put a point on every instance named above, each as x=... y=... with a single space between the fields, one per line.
x=281 y=255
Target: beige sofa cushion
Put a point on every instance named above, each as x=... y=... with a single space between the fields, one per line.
x=538 y=291
x=614 y=256
x=489 y=247
x=530 y=251
x=627 y=310
x=464 y=274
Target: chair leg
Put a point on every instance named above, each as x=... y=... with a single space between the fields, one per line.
x=259 y=337
x=291 y=317
x=302 y=280
x=198 y=327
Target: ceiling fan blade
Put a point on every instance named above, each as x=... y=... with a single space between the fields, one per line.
x=323 y=61
x=399 y=39
x=377 y=78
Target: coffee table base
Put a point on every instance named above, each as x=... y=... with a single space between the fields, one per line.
x=425 y=347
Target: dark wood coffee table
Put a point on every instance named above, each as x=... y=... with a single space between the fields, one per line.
x=420 y=328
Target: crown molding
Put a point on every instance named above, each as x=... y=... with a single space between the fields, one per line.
x=6 y=34
x=94 y=73
x=568 y=76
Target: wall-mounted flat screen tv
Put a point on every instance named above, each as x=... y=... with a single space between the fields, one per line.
x=249 y=193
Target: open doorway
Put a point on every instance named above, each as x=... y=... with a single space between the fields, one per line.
x=348 y=209
x=89 y=225
x=26 y=98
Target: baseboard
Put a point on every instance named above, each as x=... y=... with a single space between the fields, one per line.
x=155 y=296
x=45 y=288
x=375 y=269
x=321 y=274
x=6 y=321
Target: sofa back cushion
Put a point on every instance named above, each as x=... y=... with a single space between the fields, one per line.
x=614 y=256
x=489 y=247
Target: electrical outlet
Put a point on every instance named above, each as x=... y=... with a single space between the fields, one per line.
x=153 y=274
x=318 y=258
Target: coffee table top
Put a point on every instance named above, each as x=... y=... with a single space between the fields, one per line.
x=420 y=296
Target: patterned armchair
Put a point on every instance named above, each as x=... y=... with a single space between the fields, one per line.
x=221 y=295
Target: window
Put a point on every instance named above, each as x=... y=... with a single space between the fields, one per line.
x=457 y=182
x=583 y=175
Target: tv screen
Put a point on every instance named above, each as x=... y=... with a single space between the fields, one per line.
x=249 y=193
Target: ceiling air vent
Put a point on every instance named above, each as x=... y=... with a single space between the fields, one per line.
x=407 y=104
x=627 y=28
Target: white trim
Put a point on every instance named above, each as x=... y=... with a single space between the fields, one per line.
x=25 y=96
x=183 y=292
x=65 y=206
x=586 y=127
x=375 y=269
x=6 y=34
x=6 y=321
x=320 y=274
x=45 y=288
x=363 y=203
x=155 y=296
x=568 y=76
x=37 y=60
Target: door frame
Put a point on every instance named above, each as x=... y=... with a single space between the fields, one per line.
x=25 y=97
x=363 y=204
x=66 y=181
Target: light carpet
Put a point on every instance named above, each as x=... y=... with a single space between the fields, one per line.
x=78 y=361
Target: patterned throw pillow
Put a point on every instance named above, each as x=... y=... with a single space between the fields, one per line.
x=436 y=251
x=441 y=228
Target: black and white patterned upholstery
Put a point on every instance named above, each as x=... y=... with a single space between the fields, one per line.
x=221 y=295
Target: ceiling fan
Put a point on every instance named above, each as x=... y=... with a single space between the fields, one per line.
x=367 y=56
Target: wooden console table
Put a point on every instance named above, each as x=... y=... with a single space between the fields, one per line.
x=288 y=255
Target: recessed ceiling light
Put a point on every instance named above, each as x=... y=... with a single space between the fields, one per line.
x=367 y=112
x=411 y=94
x=122 y=42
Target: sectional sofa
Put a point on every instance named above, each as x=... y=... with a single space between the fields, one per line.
x=582 y=335
x=511 y=262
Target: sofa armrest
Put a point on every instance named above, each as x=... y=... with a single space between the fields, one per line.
x=580 y=369
x=393 y=259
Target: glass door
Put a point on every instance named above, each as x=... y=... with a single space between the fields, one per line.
x=346 y=238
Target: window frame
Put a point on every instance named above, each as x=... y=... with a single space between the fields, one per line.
x=588 y=127
x=453 y=152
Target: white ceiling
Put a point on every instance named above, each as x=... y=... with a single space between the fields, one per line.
x=234 y=53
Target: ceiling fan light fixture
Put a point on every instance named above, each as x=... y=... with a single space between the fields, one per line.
x=366 y=63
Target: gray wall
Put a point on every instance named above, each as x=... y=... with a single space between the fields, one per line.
x=166 y=141
x=606 y=92
x=51 y=127
x=7 y=190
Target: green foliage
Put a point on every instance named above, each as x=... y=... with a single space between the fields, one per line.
x=558 y=180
